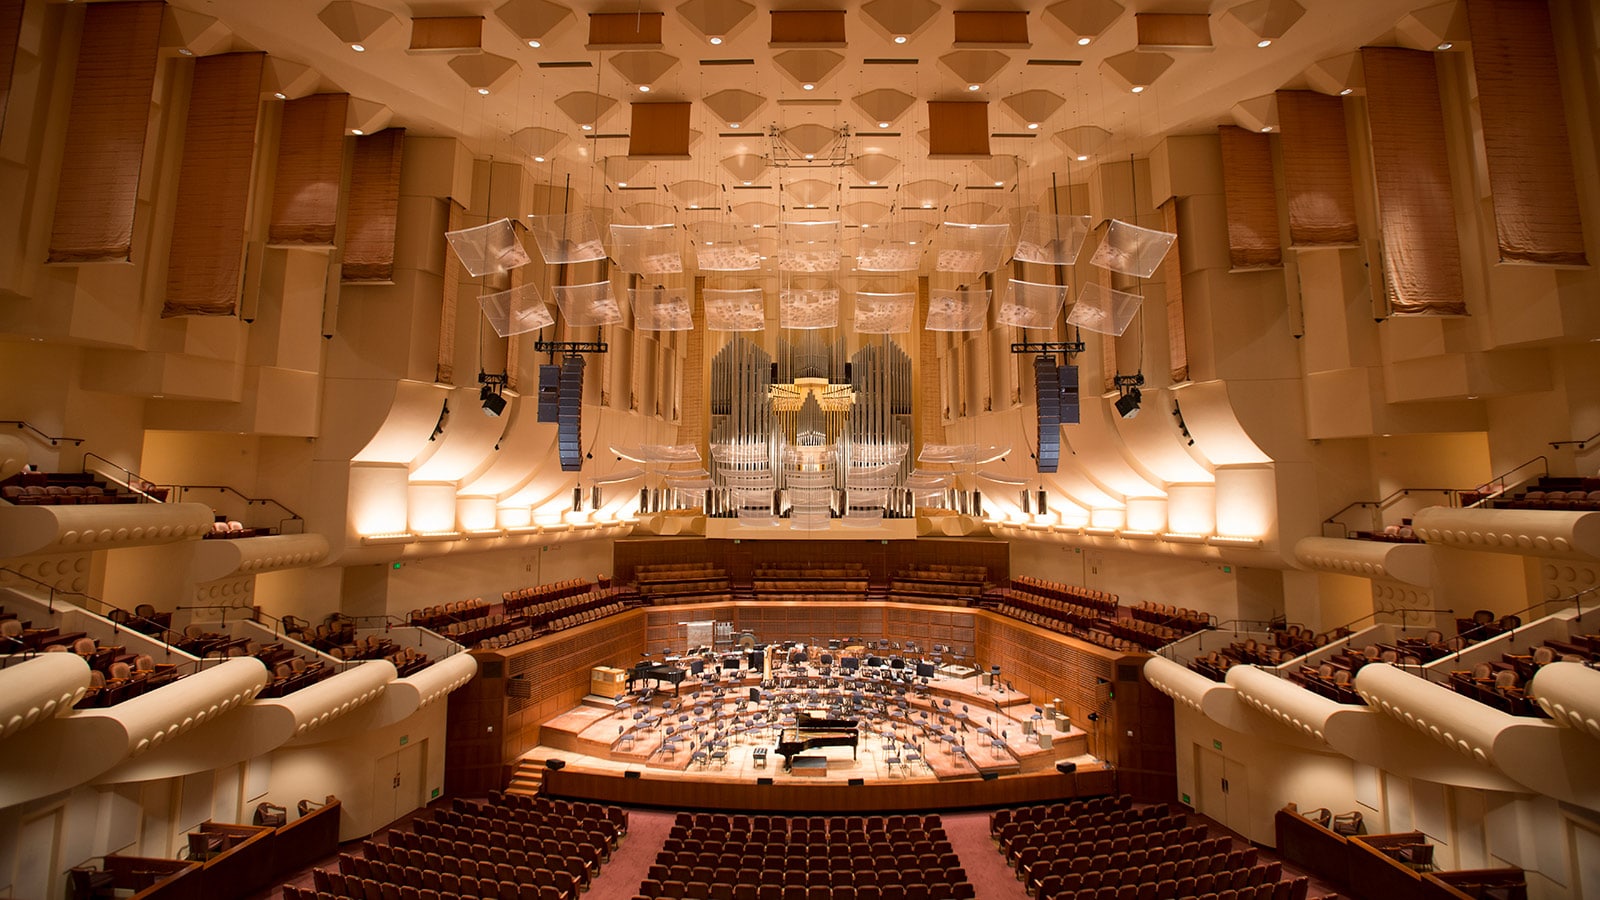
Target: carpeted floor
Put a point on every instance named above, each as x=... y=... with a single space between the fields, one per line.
x=620 y=876
x=986 y=869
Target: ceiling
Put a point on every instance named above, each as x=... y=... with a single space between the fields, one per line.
x=1054 y=108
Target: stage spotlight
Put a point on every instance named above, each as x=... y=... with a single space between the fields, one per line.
x=1128 y=404
x=493 y=403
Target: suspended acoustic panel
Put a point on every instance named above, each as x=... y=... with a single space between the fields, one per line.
x=725 y=247
x=659 y=131
x=661 y=309
x=566 y=239
x=884 y=313
x=446 y=34
x=735 y=310
x=569 y=415
x=488 y=249
x=807 y=28
x=1030 y=305
x=887 y=255
x=1525 y=133
x=1173 y=31
x=305 y=193
x=205 y=265
x=517 y=311
x=373 y=208
x=1251 y=199
x=957 y=310
x=625 y=31
x=1416 y=212
x=588 y=305
x=808 y=309
x=1103 y=310
x=809 y=247
x=958 y=129
x=647 y=249
x=1003 y=29
x=1316 y=169
x=969 y=247
x=106 y=129
x=1051 y=240
x=1132 y=250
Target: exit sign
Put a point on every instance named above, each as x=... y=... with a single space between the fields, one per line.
x=406 y=739
x=1216 y=744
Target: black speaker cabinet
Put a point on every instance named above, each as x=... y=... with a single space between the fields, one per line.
x=555 y=765
x=1066 y=768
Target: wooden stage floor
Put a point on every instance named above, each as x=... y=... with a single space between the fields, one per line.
x=923 y=749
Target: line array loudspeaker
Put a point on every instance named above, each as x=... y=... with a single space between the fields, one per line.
x=569 y=415
x=1048 y=392
x=549 y=393
x=1068 y=378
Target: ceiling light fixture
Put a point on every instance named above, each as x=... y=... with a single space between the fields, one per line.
x=1033 y=126
x=1138 y=89
x=1444 y=45
x=1347 y=92
x=899 y=39
x=586 y=127
x=1266 y=128
x=534 y=44
x=883 y=124
x=483 y=92
x=733 y=124
x=694 y=206
x=1084 y=42
x=808 y=87
x=716 y=40
x=999 y=184
x=811 y=156
x=644 y=88
x=185 y=51
x=747 y=182
x=1083 y=157
x=538 y=159
x=870 y=182
x=358 y=48
x=280 y=95
x=622 y=184
x=1264 y=43
x=357 y=132
x=973 y=87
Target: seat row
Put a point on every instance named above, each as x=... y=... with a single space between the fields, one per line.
x=1184 y=890
x=355 y=887
x=1229 y=868
x=677 y=890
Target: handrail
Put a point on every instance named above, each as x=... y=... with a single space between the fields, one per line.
x=249 y=501
x=1557 y=445
x=1384 y=502
x=133 y=482
x=1500 y=479
x=1575 y=597
x=116 y=626
x=54 y=441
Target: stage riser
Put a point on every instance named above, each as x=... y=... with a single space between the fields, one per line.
x=673 y=793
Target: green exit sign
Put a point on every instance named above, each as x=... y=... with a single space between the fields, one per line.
x=406 y=739
x=397 y=565
x=435 y=796
x=1183 y=797
x=1216 y=744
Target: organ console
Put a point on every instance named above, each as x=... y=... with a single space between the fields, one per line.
x=810 y=732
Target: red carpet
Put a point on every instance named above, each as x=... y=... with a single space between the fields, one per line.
x=620 y=875
x=991 y=878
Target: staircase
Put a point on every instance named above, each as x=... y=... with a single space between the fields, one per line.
x=528 y=779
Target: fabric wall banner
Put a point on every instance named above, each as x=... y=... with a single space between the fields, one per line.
x=305 y=194
x=1525 y=133
x=1316 y=169
x=106 y=130
x=1416 y=212
x=1251 y=198
x=1172 y=266
x=206 y=263
x=10 y=33
x=369 y=218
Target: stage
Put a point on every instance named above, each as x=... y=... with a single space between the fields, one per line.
x=948 y=743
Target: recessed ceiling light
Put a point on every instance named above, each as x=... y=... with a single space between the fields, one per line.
x=747 y=182
x=756 y=225
x=185 y=51
x=715 y=40
x=1084 y=42
x=1033 y=126
x=883 y=124
x=973 y=87
x=866 y=225
x=808 y=87
x=733 y=124
x=1138 y=89
x=357 y=132
x=999 y=184
x=694 y=206
x=538 y=159
x=811 y=206
x=587 y=127
x=358 y=48
x=911 y=243
x=534 y=44
x=1264 y=43
x=483 y=92
x=1444 y=45
x=1347 y=92
x=1083 y=158
x=1266 y=128
x=927 y=206
x=622 y=184
x=870 y=182
x=811 y=156
x=280 y=95
x=899 y=39
x=644 y=88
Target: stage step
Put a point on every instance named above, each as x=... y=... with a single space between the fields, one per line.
x=528 y=778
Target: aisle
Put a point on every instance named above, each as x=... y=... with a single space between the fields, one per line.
x=620 y=876
x=986 y=869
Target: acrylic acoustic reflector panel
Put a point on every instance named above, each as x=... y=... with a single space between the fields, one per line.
x=808 y=309
x=572 y=238
x=517 y=311
x=723 y=247
x=958 y=310
x=1132 y=250
x=1103 y=310
x=488 y=249
x=647 y=249
x=740 y=310
x=809 y=247
x=970 y=247
x=661 y=309
x=1051 y=240
x=583 y=305
x=884 y=313
x=1030 y=305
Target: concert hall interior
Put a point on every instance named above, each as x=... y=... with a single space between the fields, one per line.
x=1111 y=449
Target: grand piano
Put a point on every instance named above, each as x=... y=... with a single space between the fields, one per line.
x=658 y=672
x=810 y=732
